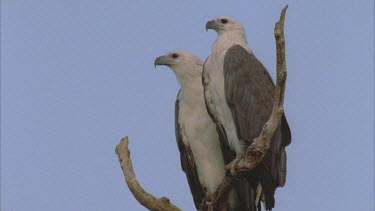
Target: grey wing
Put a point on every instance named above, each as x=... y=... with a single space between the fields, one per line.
x=250 y=92
x=187 y=163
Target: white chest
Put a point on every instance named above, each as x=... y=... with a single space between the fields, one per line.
x=199 y=133
x=215 y=93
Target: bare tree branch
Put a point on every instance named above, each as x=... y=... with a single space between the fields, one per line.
x=241 y=165
x=256 y=151
x=147 y=200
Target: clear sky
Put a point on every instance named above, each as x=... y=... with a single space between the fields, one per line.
x=76 y=76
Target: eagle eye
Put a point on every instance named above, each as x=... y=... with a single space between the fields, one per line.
x=224 y=21
x=174 y=55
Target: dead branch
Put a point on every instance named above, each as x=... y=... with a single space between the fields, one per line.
x=256 y=151
x=243 y=164
x=147 y=200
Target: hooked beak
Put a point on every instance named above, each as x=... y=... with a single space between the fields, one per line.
x=210 y=25
x=161 y=60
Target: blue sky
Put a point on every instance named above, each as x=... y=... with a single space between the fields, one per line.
x=76 y=76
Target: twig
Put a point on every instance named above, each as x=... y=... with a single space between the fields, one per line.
x=243 y=164
x=256 y=151
x=147 y=200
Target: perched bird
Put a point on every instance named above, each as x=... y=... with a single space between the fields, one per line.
x=239 y=96
x=197 y=138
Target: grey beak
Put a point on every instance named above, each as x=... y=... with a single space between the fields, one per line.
x=163 y=60
x=159 y=61
x=210 y=25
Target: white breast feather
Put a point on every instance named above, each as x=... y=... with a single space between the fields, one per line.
x=215 y=94
x=199 y=131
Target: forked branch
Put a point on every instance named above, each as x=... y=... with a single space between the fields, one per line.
x=245 y=163
x=147 y=200
x=256 y=151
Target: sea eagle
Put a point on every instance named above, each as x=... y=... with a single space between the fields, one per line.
x=239 y=96
x=196 y=135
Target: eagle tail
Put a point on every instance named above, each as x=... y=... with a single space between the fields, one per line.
x=248 y=193
x=234 y=209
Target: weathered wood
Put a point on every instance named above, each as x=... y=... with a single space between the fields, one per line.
x=254 y=154
x=147 y=200
x=241 y=165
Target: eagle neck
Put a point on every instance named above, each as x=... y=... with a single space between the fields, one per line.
x=192 y=88
x=187 y=75
x=226 y=40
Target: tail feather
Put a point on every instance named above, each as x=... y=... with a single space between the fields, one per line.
x=268 y=191
x=248 y=193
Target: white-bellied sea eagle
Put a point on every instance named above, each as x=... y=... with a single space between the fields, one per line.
x=239 y=96
x=196 y=135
